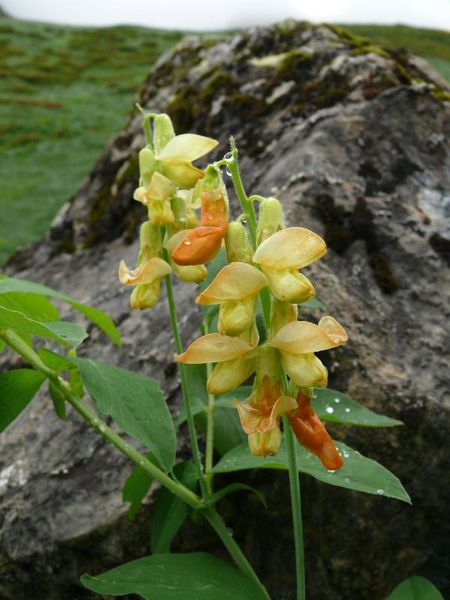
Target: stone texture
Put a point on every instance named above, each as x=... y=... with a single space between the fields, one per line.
x=354 y=141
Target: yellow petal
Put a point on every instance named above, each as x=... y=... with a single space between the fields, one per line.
x=265 y=444
x=291 y=248
x=186 y=148
x=228 y=375
x=282 y=314
x=190 y=274
x=300 y=337
x=254 y=419
x=139 y=195
x=236 y=317
x=236 y=281
x=153 y=269
x=306 y=370
x=289 y=285
x=183 y=175
x=160 y=188
x=334 y=330
x=213 y=348
x=145 y=296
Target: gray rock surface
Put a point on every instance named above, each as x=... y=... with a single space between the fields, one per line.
x=356 y=145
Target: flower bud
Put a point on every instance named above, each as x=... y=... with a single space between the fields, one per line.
x=270 y=219
x=163 y=132
x=282 y=314
x=147 y=166
x=265 y=444
x=237 y=244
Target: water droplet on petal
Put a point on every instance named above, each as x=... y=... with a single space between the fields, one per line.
x=380 y=492
x=329 y=409
x=347 y=410
x=337 y=400
x=187 y=243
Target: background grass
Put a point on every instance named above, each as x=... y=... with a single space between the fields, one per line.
x=64 y=91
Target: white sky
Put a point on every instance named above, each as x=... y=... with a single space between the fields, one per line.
x=217 y=14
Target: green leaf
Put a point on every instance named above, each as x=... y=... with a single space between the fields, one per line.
x=17 y=389
x=136 y=404
x=54 y=361
x=103 y=321
x=196 y=576
x=2 y=345
x=231 y=489
x=416 y=588
x=337 y=407
x=32 y=305
x=66 y=334
x=314 y=303
x=358 y=473
x=136 y=488
x=197 y=407
x=170 y=511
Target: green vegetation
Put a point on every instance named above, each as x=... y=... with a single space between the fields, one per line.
x=64 y=91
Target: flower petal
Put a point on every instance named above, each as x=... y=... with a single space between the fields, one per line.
x=228 y=375
x=300 y=337
x=213 y=348
x=289 y=285
x=236 y=281
x=294 y=247
x=306 y=370
x=186 y=148
x=183 y=175
x=153 y=269
x=198 y=246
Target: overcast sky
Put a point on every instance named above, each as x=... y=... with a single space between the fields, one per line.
x=209 y=15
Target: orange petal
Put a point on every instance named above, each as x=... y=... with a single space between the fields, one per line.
x=291 y=248
x=153 y=269
x=198 y=246
x=300 y=337
x=236 y=281
x=213 y=348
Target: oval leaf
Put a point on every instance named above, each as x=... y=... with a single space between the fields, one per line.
x=337 y=407
x=102 y=320
x=34 y=306
x=416 y=588
x=135 y=403
x=196 y=576
x=358 y=473
x=17 y=389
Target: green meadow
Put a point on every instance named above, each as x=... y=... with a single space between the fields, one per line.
x=65 y=91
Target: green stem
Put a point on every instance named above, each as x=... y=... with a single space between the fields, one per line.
x=236 y=553
x=294 y=485
x=209 y=452
x=184 y=381
x=30 y=356
x=294 y=481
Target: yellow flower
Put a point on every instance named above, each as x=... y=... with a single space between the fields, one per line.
x=297 y=341
x=157 y=199
x=234 y=356
x=235 y=288
x=281 y=256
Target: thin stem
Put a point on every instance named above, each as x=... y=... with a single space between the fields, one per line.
x=209 y=453
x=294 y=485
x=28 y=354
x=184 y=381
x=236 y=553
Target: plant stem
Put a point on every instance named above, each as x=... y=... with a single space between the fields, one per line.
x=294 y=481
x=184 y=381
x=28 y=354
x=294 y=485
x=209 y=453
x=236 y=553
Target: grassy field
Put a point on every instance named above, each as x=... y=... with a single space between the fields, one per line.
x=64 y=91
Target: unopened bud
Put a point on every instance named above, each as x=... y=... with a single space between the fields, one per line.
x=282 y=314
x=270 y=219
x=162 y=132
x=237 y=244
x=147 y=166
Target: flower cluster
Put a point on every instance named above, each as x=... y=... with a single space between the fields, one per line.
x=263 y=274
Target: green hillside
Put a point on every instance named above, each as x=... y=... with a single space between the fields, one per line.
x=64 y=91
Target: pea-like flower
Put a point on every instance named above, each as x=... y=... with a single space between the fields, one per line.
x=297 y=341
x=149 y=271
x=235 y=288
x=282 y=255
x=157 y=199
x=235 y=358
x=312 y=434
x=260 y=416
x=190 y=273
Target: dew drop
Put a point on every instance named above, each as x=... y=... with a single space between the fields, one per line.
x=228 y=156
x=380 y=491
x=244 y=222
x=347 y=479
x=331 y=470
x=187 y=243
x=329 y=410
x=347 y=410
x=228 y=171
x=337 y=400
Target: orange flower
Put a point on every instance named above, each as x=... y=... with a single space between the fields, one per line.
x=202 y=243
x=311 y=433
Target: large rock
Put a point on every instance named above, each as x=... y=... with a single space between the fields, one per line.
x=354 y=141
